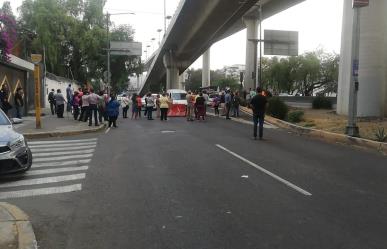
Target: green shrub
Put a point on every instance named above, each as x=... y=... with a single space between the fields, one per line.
x=380 y=135
x=295 y=116
x=277 y=108
x=322 y=102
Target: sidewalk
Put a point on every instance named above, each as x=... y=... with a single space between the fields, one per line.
x=15 y=228
x=54 y=127
x=326 y=136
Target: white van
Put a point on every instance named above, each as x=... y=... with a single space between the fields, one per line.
x=178 y=96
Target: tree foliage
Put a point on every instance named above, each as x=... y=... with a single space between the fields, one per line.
x=304 y=74
x=73 y=35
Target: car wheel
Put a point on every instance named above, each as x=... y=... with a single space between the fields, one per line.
x=29 y=164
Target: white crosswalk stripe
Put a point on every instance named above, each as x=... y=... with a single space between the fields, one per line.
x=61 y=145
x=58 y=166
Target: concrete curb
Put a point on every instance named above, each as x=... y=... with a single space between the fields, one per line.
x=15 y=228
x=38 y=135
x=327 y=136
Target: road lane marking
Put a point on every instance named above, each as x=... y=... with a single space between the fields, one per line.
x=61 y=153
x=55 y=171
x=287 y=183
x=60 y=164
x=63 y=145
x=40 y=191
x=78 y=148
x=45 y=180
x=107 y=130
x=48 y=159
x=62 y=141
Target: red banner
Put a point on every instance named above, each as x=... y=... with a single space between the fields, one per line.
x=177 y=110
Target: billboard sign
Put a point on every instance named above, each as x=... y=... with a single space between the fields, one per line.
x=360 y=3
x=279 y=42
x=126 y=48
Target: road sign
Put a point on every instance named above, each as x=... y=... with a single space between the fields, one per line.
x=126 y=48
x=36 y=58
x=360 y=3
x=279 y=42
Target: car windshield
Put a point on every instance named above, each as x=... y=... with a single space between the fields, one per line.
x=178 y=96
x=3 y=119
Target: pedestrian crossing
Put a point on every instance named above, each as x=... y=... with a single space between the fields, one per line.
x=58 y=166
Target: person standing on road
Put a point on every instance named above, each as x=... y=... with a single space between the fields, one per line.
x=134 y=106
x=222 y=104
x=139 y=105
x=190 y=106
x=76 y=105
x=60 y=101
x=101 y=107
x=164 y=106
x=113 y=110
x=85 y=106
x=227 y=102
x=125 y=106
x=216 y=103
x=93 y=108
x=19 y=102
x=158 y=106
x=258 y=104
x=235 y=103
x=69 y=97
x=51 y=100
x=200 y=106
x=149 y=105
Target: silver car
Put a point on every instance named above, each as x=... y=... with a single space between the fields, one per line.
x=15 y=156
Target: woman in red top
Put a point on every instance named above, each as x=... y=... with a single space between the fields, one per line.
x=139 y=105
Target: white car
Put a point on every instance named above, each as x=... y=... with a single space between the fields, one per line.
x=178 y=96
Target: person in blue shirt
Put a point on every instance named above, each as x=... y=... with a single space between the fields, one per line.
x=227 y=100
x=113 y=110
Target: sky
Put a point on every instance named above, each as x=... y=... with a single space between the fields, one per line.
x=317 y=21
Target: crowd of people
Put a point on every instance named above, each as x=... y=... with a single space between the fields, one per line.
x=86 y=105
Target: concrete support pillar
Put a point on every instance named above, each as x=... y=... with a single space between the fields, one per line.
x=206 y=69
x=172 y=71
x=251 y=51
x=182 y=82
x=372 y=95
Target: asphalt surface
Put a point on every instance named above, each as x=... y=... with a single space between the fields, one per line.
x=179 y=184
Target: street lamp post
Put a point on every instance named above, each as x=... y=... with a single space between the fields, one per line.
x=108 y=74
x=165 y=17
x=352 y=129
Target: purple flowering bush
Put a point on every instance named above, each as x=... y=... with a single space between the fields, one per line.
x=7 y=36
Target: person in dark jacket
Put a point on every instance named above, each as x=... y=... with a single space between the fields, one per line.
x=258 y=104
x=113 y=110
x=19 y=102
x=51 y=100
x=4 y=95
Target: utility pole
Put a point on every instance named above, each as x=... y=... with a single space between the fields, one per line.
x=108 y=50
x=260 y=45
x=352 y=129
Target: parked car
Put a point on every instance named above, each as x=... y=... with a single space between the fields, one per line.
x=15 y=156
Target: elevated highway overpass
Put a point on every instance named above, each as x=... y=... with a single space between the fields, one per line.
x=197 y=25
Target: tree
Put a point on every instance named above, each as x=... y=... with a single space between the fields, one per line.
x=7 y=31
x=73 y=35
x=305 y=74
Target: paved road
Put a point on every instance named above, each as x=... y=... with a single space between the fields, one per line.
x=208 y=185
